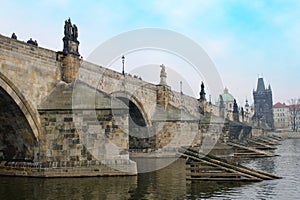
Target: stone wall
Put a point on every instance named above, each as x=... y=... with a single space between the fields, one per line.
x=33 y=70
x=141 y=93
x=83 y=138
x=172 y=135
x=81 y=123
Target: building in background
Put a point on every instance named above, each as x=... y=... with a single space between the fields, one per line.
x=287 y=117
x=282 y=116
x=228 y=100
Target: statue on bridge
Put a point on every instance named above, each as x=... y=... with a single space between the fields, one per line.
x=221 y=106
x=14 y=36
x=163 y=75
x=71 y=31
x=75 y=32
x=235 y=112
x=30 y=41
x=202 y=93
x=235 y=106
x=70 y=39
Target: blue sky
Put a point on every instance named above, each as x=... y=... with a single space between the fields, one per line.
x=243 y=38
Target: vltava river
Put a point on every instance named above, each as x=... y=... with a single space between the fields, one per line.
x=167 y=183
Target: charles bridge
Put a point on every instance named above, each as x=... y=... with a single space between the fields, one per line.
x=58 y=110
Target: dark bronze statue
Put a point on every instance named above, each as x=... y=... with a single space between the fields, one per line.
x=235 y=106
x=14 y=36
x=70 y=39
x=71 y=31
x=202 y=92
x=75 y=32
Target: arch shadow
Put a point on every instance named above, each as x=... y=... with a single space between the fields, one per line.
x=123 y=95
x=29 y=112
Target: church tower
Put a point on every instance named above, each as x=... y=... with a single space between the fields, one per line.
x=263 y=105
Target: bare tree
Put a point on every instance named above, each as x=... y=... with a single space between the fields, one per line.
x=295 y=113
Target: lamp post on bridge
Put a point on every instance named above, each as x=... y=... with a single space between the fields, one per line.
x=181 y=87
x=123 y=60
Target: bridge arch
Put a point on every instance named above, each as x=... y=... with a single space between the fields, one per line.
x=124 y=95
x=20 y=127
x=139 y=124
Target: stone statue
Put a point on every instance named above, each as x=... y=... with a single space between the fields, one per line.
x=68 y=28
x=30 y=41
x=163 y=75
x=235 y=106
x=235 y=113
x=163 y=69
x=75 y=32
x=221 y=106
x=70 y=39
x=221 y=101
x=242 y=113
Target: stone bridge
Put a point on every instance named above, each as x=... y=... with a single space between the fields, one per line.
x=59 y=110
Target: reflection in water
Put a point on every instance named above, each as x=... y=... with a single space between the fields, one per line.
x=263 y=164
x=67 y=188
x=167 y=183
x=212 y=189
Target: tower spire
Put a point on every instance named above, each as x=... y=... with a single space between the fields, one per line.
x=260 y=85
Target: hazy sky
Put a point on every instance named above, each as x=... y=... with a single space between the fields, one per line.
x=243 y=38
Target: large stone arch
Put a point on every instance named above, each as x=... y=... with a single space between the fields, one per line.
x=138 y=104
x=29 y=121
x=139 y=125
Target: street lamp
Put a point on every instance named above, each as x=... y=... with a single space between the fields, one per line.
x=123 y=59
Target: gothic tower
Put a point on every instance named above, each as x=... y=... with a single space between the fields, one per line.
x=263 y=105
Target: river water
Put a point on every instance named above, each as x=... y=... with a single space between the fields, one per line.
x=167 y=183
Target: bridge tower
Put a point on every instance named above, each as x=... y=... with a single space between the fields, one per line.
x=263 y=104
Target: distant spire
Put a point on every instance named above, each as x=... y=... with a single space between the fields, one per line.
x=269 y=87
x=247 y=104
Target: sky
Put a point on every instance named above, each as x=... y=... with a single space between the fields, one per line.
x=244 y=39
